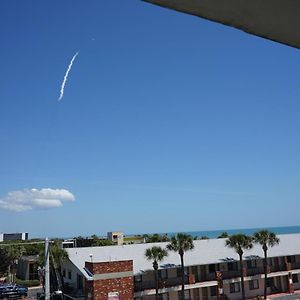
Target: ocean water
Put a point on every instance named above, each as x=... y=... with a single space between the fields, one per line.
x=248 y=231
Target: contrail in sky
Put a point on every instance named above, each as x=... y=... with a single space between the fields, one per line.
x=62 y=89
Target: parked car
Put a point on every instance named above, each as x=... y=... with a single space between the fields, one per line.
x=12 y=291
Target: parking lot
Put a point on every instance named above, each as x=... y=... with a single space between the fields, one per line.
x=32 y=292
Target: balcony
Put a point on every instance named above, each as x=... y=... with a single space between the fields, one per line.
x=231 y=274
x=295 y=265
x=169 y=282
x=254 y=271
x=278 y=268
x=162 y=283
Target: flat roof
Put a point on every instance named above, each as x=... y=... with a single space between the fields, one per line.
x=205 y=252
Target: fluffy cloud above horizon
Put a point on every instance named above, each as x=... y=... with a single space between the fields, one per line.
x=30 y=199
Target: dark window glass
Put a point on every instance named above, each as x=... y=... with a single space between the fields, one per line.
x=234 y=287
x=163 y=273
x=212 y=268
x=253 y=284
x=213 y=291
x=194 y=270
x=295 y=278
x=270 y=282
x=233 y=266
x=164 y=296
x=187 y=295
x=251 y=264
x=291 y=259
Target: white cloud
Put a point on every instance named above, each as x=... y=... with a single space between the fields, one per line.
x=28 y=199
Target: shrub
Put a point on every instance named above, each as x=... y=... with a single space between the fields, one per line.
x=28 y=283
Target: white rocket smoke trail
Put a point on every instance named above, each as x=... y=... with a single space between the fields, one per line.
x=62 y=89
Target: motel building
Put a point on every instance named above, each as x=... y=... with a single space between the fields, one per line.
x=211 y=272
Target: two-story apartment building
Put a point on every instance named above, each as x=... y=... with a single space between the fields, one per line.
x=211 y=272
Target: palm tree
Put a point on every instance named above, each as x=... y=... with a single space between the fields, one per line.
x=156 y=254
x=57 y=256
x=181 y=243
x=240 y=242
x=266 y=239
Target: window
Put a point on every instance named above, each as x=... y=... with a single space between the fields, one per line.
x=291 y=259
x=253 y=284
x=212 y=268
x=164 y=296
x=251 y=264
x=270 y=282
x=163 y=273
x=234 y=287
x=179 y=272
x=213 y=291
x=194 y=270
x=70 y=275
x=295 y=278
x=64 y=273
x=79 y=282
x=187 y=295
x=270 y=261
x=233 y=266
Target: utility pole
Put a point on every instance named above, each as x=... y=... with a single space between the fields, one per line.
x=47 y=270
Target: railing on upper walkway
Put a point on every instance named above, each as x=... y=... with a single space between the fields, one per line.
x=169 y=282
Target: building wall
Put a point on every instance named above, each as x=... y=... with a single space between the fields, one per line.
x=70 y=274
x=27 y=268
x=110 y=277
x=118 y=277
x=116 y=237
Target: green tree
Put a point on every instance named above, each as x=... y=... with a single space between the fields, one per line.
x=181 y=243
x=4 y=261
x=240 y=242
x=266 y=239
x=57 y=256
x=156 y=238
x=156 y=254
x=14 y=252
x=223 y=235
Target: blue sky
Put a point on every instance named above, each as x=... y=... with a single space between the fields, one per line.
x=168 y=122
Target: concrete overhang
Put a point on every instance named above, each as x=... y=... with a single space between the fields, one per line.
x=277 y=20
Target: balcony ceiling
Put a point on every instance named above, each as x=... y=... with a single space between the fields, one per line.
x=277 y=20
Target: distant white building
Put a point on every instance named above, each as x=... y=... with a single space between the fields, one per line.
x=117 y=237
x=20 y=236
x=70 y=243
